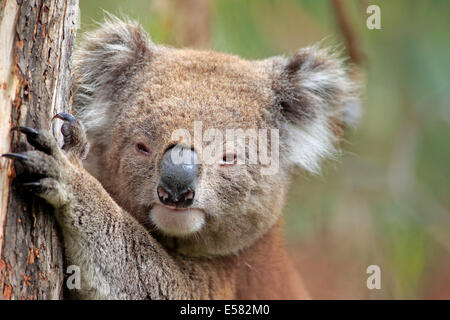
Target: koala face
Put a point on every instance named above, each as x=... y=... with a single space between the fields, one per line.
x=143 y=104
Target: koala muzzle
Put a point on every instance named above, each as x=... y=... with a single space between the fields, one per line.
x=179 y=172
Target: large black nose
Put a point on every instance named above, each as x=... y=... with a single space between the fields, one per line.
x=179 y=172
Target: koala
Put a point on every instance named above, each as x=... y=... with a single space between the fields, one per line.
x=141 y=226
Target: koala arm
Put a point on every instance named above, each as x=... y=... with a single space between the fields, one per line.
x=117 y=257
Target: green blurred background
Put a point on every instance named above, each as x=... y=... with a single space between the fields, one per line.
x=387 y=200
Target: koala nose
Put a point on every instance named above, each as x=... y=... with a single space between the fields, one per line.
x=179 y=172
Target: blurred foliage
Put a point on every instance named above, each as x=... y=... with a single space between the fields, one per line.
x=387 y=201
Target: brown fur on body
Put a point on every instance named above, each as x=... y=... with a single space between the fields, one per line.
x=266 y=271
x=261 y=271
x=130 y=91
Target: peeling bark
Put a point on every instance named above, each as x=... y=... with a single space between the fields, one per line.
x=36 y=43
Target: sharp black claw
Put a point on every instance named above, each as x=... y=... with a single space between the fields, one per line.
x=65 y=116
x=30 y=132
x=31 y=184
x=15 y=156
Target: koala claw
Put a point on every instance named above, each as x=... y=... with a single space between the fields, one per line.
x=50 y=171
x=37 y=162
x=49 y=189
x=75 y=140
x=30 y=132
x=65 y=116
x=31 y=184
x=42 y=142
x=15 y=156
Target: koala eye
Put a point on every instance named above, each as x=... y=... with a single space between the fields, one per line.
x=228 y=159
x=142 y=148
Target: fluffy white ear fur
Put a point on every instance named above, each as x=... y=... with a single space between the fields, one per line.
x=105 y=60
x=314 y=93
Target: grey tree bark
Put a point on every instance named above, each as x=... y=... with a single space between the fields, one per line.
x=36 y=43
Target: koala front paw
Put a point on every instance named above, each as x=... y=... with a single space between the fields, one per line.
x=52 y=169
x=75 y=140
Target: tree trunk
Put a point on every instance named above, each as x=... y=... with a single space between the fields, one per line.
x=36 y=42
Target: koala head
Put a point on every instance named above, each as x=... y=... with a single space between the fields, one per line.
x=142 y=103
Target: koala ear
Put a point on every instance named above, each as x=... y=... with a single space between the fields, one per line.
x=104 y=61
x=314 y=96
